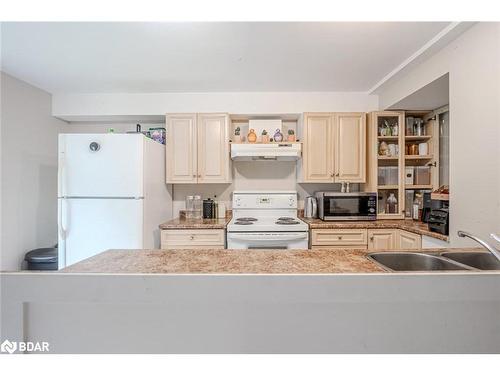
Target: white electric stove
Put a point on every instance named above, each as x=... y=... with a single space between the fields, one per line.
x=266 y=220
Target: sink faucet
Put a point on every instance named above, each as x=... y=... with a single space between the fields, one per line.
x=486 y=245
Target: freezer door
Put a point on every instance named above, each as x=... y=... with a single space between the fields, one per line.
x=90 y=226
x=101 y=165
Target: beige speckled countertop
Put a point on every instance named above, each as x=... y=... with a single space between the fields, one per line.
x=180 y=223
x=408 y=225
x=331 y=261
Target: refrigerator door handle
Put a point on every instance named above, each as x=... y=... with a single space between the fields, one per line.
x=63 y=218
x=62 y=176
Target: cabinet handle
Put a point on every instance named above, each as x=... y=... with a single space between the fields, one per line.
x=194 y=175
x=338 y=174
x=199 y=175
x=371 y=238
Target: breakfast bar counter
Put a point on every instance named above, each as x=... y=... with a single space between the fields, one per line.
x=211 y=261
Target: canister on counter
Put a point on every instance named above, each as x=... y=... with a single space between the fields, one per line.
x=208 y=207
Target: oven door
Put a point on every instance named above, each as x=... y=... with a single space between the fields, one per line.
x=268 y=240
x=349 y=207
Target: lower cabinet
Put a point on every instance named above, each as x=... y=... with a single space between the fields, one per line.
x=382 y=239
x=408 y=240
x=390 y=239
x=341 y=238
x=192 y=239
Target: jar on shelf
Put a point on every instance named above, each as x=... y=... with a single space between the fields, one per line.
x=391 y=206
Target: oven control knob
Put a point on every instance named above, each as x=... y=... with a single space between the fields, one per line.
x=372 y=210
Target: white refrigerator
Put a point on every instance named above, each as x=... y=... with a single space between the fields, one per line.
x=111 y=194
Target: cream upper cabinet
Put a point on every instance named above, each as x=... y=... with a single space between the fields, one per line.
x=350 y=150
x=213 y=148
x=197 y=148
x=318 y=148
x=382 y=239
x=181 y=148
x=334 y=147
x=408 y=240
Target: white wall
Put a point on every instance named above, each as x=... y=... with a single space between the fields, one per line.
x=88 y=106
x=29 y=171
x=473 y=63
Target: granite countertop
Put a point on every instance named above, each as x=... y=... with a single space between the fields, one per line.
x=182 y=223
x=205 y=261
x=408 y=225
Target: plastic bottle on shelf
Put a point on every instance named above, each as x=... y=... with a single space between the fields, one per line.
x=392 y=204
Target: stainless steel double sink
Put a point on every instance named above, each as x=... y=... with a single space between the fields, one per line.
x=445 y=261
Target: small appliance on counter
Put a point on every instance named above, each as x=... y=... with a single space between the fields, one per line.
x=209 y=209
x=310 y=208
x=439 y=221
x=430 y=204
x=346 y=206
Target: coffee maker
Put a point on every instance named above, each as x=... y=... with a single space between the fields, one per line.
x=430 y=204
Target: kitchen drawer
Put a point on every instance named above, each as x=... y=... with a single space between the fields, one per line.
x=192 y=238
x=340 y=247
x=339 y=237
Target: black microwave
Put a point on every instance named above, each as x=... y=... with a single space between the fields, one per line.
x=346 y=206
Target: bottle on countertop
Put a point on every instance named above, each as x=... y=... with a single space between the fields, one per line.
x=197 y=207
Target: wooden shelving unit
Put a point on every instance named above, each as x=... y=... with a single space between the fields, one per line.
x=387 y=173
x=390 y=179
x=428 y=134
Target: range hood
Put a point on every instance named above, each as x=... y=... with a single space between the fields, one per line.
x=266 y=151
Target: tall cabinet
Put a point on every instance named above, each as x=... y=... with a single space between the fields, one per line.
x=198 y=148
x=334 y=147
x=401 y=160
x=386 y=162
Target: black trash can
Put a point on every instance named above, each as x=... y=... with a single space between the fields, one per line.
x=44 y=259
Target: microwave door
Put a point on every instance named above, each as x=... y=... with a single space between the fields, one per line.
x=347 y=207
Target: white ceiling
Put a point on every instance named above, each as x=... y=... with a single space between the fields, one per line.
x=204 y=57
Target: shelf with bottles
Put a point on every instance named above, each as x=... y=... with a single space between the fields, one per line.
x=414 y=197
x=388 y=202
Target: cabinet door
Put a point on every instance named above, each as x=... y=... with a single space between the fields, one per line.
x=381 y=239
x=181 y=148
x=350 y=147
x=213 y=148
x=408 y=240
x=318 y=148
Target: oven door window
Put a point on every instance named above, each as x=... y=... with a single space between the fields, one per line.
x=346 y=206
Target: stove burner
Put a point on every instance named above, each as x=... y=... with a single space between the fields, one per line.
x=286 y=218
x=243 y=223
x=246 y=219
x=287 y=222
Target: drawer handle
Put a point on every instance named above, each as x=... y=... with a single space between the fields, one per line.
x=340 y=237
x=191 y=237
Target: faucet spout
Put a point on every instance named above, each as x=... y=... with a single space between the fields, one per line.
x=484 y=244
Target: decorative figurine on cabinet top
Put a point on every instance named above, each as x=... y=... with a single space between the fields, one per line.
x=252 y=137
x=278 y=136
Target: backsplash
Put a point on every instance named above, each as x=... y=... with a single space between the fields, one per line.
x=252 y=175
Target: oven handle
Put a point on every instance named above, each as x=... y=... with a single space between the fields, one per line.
x=267 y=237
